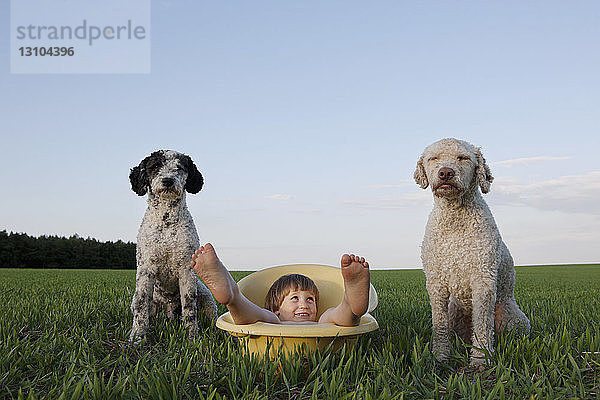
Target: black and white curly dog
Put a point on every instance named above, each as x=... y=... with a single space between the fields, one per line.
x=165 y=243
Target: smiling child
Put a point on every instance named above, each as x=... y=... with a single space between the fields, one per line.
x=292 y=299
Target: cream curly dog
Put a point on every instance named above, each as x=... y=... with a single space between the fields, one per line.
x=166 y=241
x=469 y=270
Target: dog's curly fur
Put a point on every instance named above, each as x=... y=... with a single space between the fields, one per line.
x=166 y=240
x=469 y=270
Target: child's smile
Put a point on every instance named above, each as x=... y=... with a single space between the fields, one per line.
x=298 y=305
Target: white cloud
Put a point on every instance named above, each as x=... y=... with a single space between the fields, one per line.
x=526 y=161
x=571 y=194
x=568 y=194
x=279 y=196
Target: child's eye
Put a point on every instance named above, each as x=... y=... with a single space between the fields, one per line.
x=294 y=297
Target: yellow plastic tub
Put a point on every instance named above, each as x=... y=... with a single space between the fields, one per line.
x=261 y=336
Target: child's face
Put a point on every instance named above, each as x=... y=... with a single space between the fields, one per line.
x=298 y=305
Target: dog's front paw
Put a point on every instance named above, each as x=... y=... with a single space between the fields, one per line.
x=441 y=351
x=137 y=336
x=479 y=358
x=193 y=331
x=441 y=357
x=477 y=364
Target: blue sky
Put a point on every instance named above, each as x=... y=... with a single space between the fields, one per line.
x=307 y=119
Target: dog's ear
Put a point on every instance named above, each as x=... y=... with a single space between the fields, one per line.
x=484 y=175
x=139 y=179
x=194 y=181
x=420 y=176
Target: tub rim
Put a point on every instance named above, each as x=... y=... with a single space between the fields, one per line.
x=367 y=324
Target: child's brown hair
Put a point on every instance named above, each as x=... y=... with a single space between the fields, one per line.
x=284 y=285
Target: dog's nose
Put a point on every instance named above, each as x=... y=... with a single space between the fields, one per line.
x=446 y=173
x=168 y=182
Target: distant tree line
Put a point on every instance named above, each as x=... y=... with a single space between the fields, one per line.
x=24 y=251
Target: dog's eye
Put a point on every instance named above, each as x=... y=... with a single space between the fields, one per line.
x=434 y=158
x=463 y=158
x=152 y=166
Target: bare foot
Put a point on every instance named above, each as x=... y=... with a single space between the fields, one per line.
x=214 y=274
x=357 y=279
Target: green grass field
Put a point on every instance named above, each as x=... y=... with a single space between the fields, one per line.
x=63 y=334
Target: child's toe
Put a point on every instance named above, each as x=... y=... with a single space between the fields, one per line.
x=346 y=260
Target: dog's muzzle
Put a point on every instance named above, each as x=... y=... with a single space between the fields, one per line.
x=169 y=187
x=446 y=183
